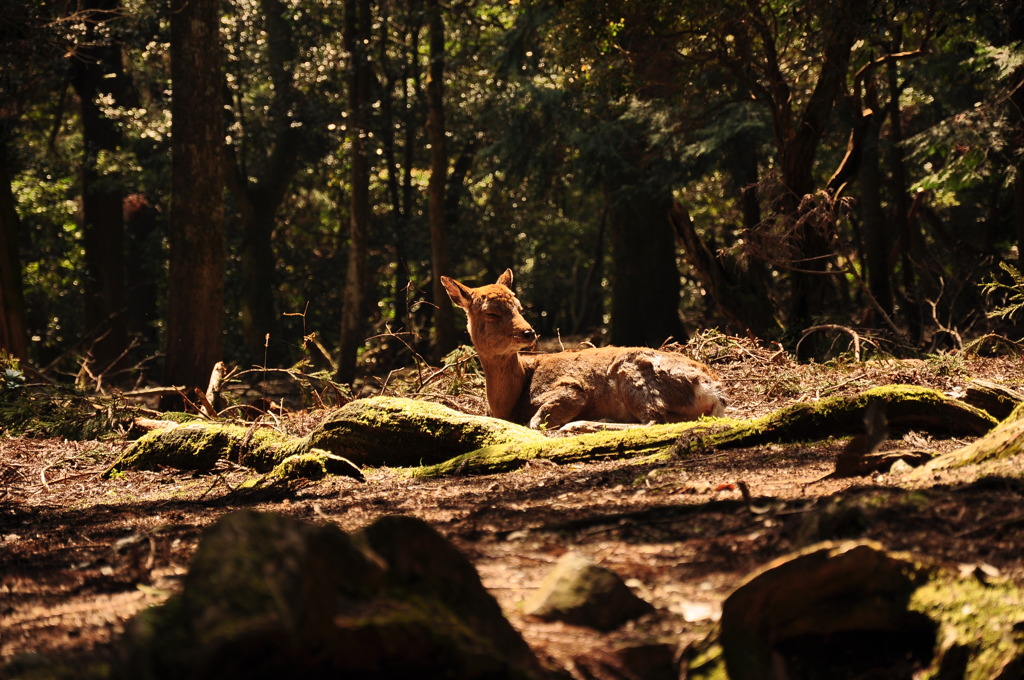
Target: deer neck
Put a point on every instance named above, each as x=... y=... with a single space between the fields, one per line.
x=505 y=380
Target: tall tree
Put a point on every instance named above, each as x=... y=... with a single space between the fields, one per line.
x=1015 y=32
x=358 y=19
x=645 y=294
x=444 y=324
x=12 y=299
x=260 y=188
x=30 y=59
x=195 y=323
x=97 y=71
x=800 y=114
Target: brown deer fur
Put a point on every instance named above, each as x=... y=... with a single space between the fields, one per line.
x=619 y=384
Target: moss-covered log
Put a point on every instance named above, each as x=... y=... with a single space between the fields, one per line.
x=199 y=445
x=853 y=609
x=905 y=406
x=991 y=453
x=373 y=432
x=408 y=432
x=998 y=400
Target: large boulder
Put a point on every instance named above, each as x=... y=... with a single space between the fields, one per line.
x=267 y=596
x=854 y=610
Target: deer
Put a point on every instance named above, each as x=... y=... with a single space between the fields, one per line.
x=623 y=385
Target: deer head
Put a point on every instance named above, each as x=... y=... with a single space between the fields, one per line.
x=496 y=323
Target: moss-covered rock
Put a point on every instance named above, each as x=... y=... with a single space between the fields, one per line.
x=856 y=610
x=315 y=464
x=270 y=596
x=582 y=593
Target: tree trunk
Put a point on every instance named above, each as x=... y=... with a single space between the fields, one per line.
x=256 y=260
x=357 y=31
x=145 y=231
x=877 y=244
x=12 y=300
x=444 y=318
x=645 y=278
x=906 y=229
x=261 y=200
x=1016 y=33
x=195 y=318
x=102 y=198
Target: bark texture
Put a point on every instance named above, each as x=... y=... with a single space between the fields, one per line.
x=195 y=318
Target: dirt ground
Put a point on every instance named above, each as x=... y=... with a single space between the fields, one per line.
x=82 y=554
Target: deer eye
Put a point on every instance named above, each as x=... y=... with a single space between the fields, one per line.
x=492 y=315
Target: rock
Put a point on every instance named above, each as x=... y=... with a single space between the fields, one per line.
x=579 y=592
x=854 y=610
x=268 y=596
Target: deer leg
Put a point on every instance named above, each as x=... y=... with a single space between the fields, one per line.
x=557 y=407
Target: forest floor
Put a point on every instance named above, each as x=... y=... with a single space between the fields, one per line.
x=81 y=554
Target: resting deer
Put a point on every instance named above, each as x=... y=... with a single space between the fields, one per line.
x=619 y=384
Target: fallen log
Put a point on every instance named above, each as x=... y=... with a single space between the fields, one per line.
x=905 y=406
x=991 y=454
x=372 y=432
x=437 y=440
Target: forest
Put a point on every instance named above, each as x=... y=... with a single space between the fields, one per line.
x=281 y=183
x=816 y=205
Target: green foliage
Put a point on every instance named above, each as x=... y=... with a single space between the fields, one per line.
x=968 y=145
x=52 y=411
x=1011 y=293
x=556 y=113
x=11 y=376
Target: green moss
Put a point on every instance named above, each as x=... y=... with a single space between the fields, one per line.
x=705 y=660
x=408 y=432
x=654 y=440
x=314 y=464
x=976 y=619
x=200 y=445
x=905 y=405
x=990 y=452
x=300 y=466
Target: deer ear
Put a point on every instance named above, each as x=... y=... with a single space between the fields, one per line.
x=460 y=294
x=506 y=278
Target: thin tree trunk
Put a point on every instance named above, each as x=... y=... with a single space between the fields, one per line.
x=357 y=20
x=102 y=198
x=195 y=315
x=739 y=293
x=1016 y=33
x=260 y=200
x=444 y=319
x=877 y=243
x=12 y=301
x=906 y=228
